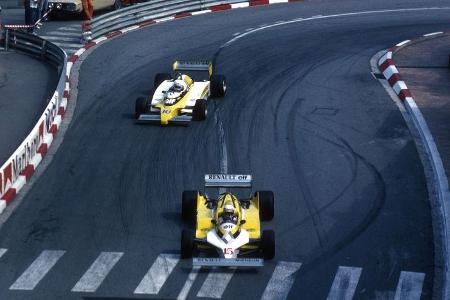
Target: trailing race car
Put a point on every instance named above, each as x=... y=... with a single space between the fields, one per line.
x=178 y=98
x=227 y=229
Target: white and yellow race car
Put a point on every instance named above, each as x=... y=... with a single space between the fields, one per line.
x=227 y=229
x=178 y=98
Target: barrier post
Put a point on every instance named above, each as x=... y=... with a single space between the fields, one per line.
x=44 y=49
x=6 y=39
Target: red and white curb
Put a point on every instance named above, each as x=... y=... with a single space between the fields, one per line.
x=390 y=72
x=440 y=181
x=44 y=132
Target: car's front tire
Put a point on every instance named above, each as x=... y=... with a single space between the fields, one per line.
x=189 y=206
x=199 y=111
x=140 y=107
x=159 y=78
x=187 y=244
x=268 y=244
x=218 y=86
x=266 y=205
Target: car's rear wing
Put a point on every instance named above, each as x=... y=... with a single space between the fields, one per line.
x=183 y=65
x=228 y=181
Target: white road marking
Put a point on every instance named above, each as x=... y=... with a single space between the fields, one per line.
x=188 y=284
x=281 y=281
x=97 y=272
x=433 y=33
x=37 y=270
x=344 y=284
x=68 y=45
x=333 y=16
x=237 y=33
x=158 y=274
x=2 y=251
x=62 y=39
x=409 y=286
x=216 y=283
x=64 y=33
x=403 y=43
x=75 y=27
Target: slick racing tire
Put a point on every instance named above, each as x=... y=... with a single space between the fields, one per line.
x=141 y=106
x=266 y=205
x=189 y=206
x=199 y=112
x=187 y=244
x=159 y=78
x=218 y=86
x=268 y=244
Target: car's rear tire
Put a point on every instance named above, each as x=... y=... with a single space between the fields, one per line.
x=187 y=244
x=141 y=106
x=268 y=244
x=199 y=111
x=159 y=78
x=189 y=206
x=266 y=205
x=218 y=86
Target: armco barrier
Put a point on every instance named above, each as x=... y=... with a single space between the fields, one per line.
x=153 y=11
x=16 y=171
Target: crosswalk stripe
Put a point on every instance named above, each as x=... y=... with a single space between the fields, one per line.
x=215 y=283
x=68 y=45
x=158 y=274
x=63 y=33
x=2 y=251
x=344 y=283
x=71 y=28
x=37 y=270
x=188 y=284
x=409 y=286
x=97 y=272
x=62 y=39
x=281 y=281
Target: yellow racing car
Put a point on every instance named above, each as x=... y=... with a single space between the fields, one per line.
x=227 y=229
x=178 y=98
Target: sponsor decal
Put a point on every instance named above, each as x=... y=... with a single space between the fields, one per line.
x=166 y=111
x=228 y=251
x=228 y=177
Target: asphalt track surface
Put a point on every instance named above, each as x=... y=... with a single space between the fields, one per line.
x=302 y=114
x=26 y=83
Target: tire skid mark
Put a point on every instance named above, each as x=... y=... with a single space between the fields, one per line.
x=308 y=198
x=379 y=200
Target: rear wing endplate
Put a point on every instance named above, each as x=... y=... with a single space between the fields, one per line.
x=183 y=65
x=227 y=262
x=228 y=180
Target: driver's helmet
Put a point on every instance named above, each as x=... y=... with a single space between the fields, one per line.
x=176 y=88
x=228 y=214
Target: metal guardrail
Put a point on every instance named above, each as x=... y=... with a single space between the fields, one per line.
x=11 y=172
x=33 y=45
x=151 y=10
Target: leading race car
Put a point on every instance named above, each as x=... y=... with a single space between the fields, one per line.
x=227 y=229
x=178 y=98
